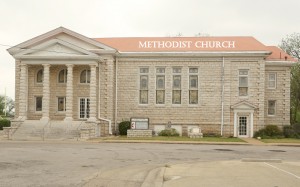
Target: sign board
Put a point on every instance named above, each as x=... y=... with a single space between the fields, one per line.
x=140 y=123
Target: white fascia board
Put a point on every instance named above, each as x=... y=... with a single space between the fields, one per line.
x=73 y=57
x=280 y=63
x=60 y=62
x=214 y=53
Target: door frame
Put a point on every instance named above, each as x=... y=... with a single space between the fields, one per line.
x=247 y=125
x=249 y=115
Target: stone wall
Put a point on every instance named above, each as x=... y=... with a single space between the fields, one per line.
x=138 y=133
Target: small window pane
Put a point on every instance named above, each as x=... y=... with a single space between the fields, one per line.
x=160 y=96
x=38 y=103
x=62 y=76
x=243 y=91
x=160 y=70
x=176 y=81
x=160 y=82
x=193 y=96
x=176 y=70
x=193 y=81
x=243 y=81
x=193 y=70
x=176 y=99
x=40 y=76
x=144 y=70
x=271 y=107
x=143 y=96
x=144 y=82
x=243 y=72
x=85 y=76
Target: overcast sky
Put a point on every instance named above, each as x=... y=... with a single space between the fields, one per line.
x=267 y=20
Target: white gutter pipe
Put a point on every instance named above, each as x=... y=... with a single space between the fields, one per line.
x=116 y=94
x=109 y=121
x=222 y=99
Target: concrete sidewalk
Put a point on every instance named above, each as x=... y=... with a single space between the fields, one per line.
x=233 y=174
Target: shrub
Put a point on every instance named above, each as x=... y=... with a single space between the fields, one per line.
x=168 y=132
x=292 y=131
x=123 y=127
x=4 y=123
x=211 y=134
x=270 y=131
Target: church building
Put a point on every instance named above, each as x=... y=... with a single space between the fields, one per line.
x=230 y=86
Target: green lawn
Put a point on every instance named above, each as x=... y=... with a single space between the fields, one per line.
x=283 y=140
x=164 y=138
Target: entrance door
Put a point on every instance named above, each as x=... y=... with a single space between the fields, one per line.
x=243 y=126
x=84 y=108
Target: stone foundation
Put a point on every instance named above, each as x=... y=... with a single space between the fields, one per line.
x=139 y=133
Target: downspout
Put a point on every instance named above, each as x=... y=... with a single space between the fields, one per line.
x=99 y=93
x=222 y=99
x=116 y=94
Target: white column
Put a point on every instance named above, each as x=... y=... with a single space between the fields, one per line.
x=235 y=124
x=69 y=94
x=93 y=93
x=251 y=124
x=46 y=93
x=23 y=92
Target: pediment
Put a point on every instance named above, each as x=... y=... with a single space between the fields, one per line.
x=244 y=105
x=58 y=43
x=54 y=47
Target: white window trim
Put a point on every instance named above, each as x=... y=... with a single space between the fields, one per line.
x=35 y=77
x=84 y=83
x=176 y=104
x=248 y=90
x=198 y=86
x=85 y=118
x=272 y=88
x=159 y=74
x=139 y=85
x=65 y=81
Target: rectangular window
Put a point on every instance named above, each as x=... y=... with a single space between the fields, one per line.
x=271 y=107
x=176 y=87
x=144 y=85
x=38 y=103
x=243 y=82
x=84 y=108
x=193 y=86
x=61 y=104
x=272 y=80
x=160 y=86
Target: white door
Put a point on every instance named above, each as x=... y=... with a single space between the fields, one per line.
x=243 y=126
x=84 y=108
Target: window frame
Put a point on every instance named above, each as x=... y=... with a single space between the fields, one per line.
x=193 y=89
x=239 y=82
x=87 y=76
x=37 y=76
x=36 y=102
x=163 y=89
x=268 y=112
x=174 y=89
x=65 y=103
x=143 y=73
x=275 y=80
x=65 y=75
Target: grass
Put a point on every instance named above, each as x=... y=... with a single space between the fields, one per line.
x=178 y=138
x=283 y=140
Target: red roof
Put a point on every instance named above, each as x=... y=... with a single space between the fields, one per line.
x=279 y=55
x=183 y=44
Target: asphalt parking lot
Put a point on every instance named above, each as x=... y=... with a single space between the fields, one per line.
x=141 y=164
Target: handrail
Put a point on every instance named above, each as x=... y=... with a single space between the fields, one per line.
x=15 y=129
x=79 y=127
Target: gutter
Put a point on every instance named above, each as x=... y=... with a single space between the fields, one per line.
x=222 y=96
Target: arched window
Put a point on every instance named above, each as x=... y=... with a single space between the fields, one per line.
x=85 y=76
x=40 y=76
x=62 y=76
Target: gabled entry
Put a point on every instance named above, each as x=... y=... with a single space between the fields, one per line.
x=243 y=119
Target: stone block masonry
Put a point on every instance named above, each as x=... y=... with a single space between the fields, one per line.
x=138 y=133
